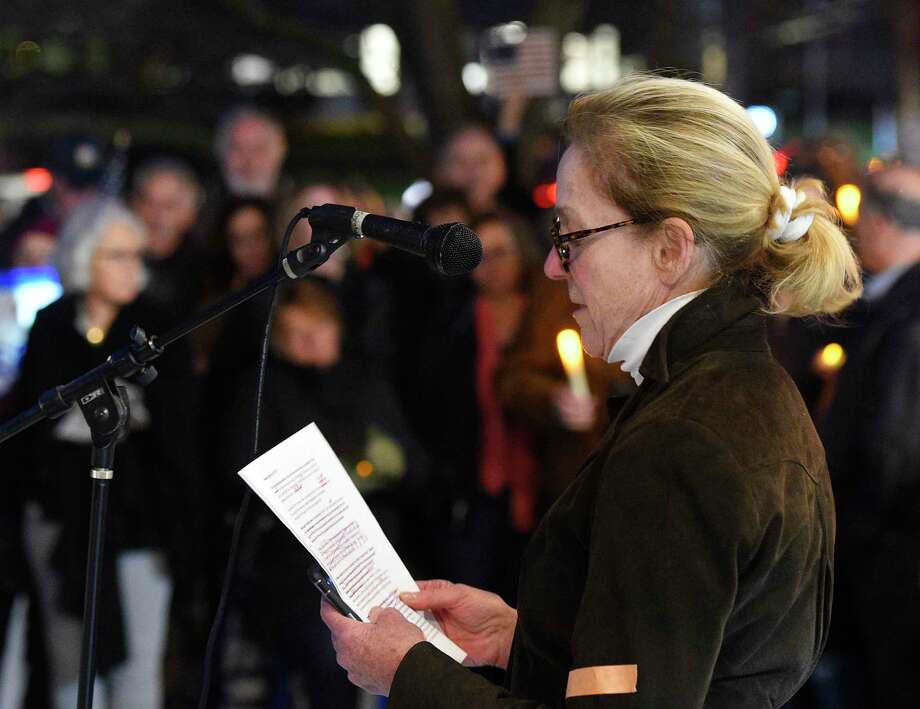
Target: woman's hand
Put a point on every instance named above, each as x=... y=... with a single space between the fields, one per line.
x=481 y=623
x=370 y=652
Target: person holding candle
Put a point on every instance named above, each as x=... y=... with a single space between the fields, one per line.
x=485 y=503
x=535 y=391
x=690 y=563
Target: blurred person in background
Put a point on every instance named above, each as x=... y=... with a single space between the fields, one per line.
x=532 y=387
x=241 y=248
x=443 y=206
x=76 y=164
x=35 y=245
x=167 y=196
x=471 y=160
x=352 y=272
x=311 y=377
x=16 y=587
x=872 y=437
x=420 y=296
x=243 y=244
x=99 y=258
x=485 y=506
x=250 y=145
x=476 y=162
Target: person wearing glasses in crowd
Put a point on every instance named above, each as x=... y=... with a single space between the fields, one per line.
x=690 y=563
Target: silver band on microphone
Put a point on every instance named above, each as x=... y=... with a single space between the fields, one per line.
x=357 y=222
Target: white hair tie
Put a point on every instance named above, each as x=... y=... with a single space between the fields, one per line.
x=784 y=229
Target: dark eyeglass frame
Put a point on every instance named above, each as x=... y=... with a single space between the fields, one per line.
x=561 y=241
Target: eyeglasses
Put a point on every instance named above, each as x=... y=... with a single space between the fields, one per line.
x=561 y=241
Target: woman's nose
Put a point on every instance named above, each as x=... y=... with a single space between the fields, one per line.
x=552 y=267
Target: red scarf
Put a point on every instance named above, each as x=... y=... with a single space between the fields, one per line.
x=507 y=460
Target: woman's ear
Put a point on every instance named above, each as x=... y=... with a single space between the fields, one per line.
x=674 y=250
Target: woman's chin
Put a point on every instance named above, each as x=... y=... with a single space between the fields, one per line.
x=591 y=347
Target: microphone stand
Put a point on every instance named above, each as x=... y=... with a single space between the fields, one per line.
x=104 y=405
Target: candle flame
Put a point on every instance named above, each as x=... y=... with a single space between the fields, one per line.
x=568 y=342
x=833 y=356
x=848 y=198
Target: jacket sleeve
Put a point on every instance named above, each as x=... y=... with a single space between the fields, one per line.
x=674 y=523
x=429 y=679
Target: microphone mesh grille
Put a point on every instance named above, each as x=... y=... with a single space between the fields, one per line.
x=460 y=252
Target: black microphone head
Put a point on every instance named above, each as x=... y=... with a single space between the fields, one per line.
x=452 y=249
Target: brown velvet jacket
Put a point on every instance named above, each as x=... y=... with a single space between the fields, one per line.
x=696 y=543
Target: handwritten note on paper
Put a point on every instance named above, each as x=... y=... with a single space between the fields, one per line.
x=304 y=484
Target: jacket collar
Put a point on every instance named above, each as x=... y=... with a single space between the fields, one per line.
x=722 y=318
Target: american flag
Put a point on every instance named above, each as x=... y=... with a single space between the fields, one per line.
x=531 y=69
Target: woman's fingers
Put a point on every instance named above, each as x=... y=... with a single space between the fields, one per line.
x=433 y=595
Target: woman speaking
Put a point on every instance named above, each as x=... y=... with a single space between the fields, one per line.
x=690 y=563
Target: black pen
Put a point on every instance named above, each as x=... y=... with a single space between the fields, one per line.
x=327 y=588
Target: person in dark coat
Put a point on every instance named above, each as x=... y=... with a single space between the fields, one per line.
x=99 y=259
x=872 y=435
x=690 y=563
x=312 y=376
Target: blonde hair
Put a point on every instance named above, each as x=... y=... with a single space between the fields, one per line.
x=662 y=147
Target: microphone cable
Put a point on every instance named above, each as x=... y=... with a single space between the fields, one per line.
x=233 y=557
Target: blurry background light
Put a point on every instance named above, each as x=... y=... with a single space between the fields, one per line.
x=37 y=179
x=379 y=57
x=415 y=194
x=511 y=32
x=832 y=357
x=764 y=118
x=781 y=160
x=251 y=70
x=544 y=196
x=291 y=80
x=328 y=83
x=575 y=75
x=848 y=198
x=591 y=61
x=715 y=63
x=475 y=78
x=604 y=57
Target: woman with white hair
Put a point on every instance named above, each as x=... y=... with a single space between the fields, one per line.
x=690 y=563
x=99 y=259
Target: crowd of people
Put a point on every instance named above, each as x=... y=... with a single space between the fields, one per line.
x=370 y=347
x=449 y=390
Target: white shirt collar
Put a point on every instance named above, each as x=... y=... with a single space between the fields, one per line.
x=634 y=344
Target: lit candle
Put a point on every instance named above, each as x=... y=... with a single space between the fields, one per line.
x=569 y=345
x=833 y=356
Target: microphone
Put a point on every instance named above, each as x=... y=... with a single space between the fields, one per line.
x=450 y=249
